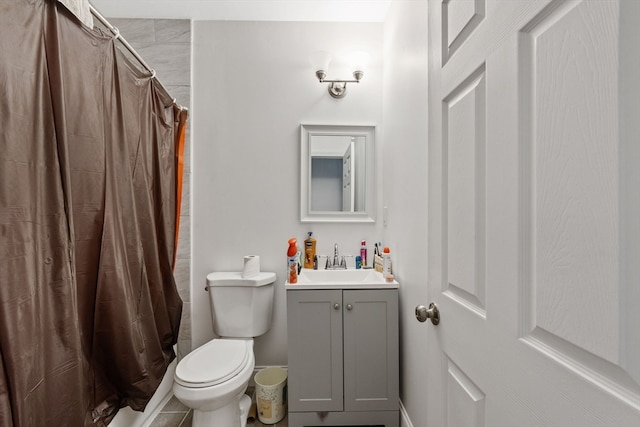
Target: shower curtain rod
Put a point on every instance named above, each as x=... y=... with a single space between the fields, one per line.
x=130 y=48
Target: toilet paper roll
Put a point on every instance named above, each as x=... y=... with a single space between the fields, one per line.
x=251 y=266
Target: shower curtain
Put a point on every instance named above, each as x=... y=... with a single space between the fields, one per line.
x=89 y=147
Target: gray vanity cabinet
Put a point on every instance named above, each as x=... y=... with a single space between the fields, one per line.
x=343 y=357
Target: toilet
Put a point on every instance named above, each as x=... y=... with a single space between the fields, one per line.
x=213 y=378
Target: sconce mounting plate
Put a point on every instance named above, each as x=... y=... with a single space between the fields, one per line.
x=338 y=90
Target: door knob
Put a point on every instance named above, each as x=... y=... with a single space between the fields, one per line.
x=423 y=313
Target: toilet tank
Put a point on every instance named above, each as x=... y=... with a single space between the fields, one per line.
x=241 y=308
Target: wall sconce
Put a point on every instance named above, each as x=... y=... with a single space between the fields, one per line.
x=337 y=88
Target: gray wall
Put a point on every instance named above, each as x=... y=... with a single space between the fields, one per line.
x=326 y=184
x=165 y=45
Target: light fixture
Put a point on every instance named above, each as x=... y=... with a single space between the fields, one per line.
x=337 y=88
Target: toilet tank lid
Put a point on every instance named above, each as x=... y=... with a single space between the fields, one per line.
x=235 y=279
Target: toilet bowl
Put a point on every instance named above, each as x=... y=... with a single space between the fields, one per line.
x=212 y=380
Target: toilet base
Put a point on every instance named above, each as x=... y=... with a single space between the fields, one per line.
x=231 y=415
x=245 y=405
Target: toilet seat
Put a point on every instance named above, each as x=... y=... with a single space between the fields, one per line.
x=217 y=361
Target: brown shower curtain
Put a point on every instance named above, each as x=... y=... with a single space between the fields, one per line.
x=89 y=177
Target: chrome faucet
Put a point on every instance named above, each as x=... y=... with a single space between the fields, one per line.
x=338 y=262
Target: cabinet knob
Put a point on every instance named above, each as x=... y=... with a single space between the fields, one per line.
x=336 y=306
x=349 y=307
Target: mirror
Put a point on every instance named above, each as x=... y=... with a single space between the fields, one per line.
x=337 y=173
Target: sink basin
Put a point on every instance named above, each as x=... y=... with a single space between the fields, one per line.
x=321 y=279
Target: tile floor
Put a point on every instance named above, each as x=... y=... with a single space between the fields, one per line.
x=175 y=414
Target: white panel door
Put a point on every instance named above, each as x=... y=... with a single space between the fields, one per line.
x=534 y=213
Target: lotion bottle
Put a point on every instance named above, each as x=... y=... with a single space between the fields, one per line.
x=386 y=262
x=309 y=251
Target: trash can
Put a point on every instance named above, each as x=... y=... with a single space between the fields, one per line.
x=271 y=394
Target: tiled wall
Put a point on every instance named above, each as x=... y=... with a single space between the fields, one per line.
x=165 y=45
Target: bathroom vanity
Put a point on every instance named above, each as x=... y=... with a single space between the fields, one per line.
x=343 y=350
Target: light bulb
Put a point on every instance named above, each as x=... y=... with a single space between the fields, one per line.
x=359 y=60
x=320 y=60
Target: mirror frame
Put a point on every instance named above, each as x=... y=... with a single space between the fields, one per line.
x=306 y=132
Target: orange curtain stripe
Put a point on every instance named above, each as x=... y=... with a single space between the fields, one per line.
x=180 y=140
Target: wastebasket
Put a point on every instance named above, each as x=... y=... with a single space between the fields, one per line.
x=271 y=394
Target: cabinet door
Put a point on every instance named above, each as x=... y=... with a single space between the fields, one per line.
x=370 y=350
x=314 y=333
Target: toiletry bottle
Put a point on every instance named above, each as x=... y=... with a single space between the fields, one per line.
x=292 y=261
x=386 y=262
x=363 y=253
x=309 y=251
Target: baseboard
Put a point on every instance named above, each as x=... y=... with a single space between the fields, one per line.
x=405 y=421
x=258 y=368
